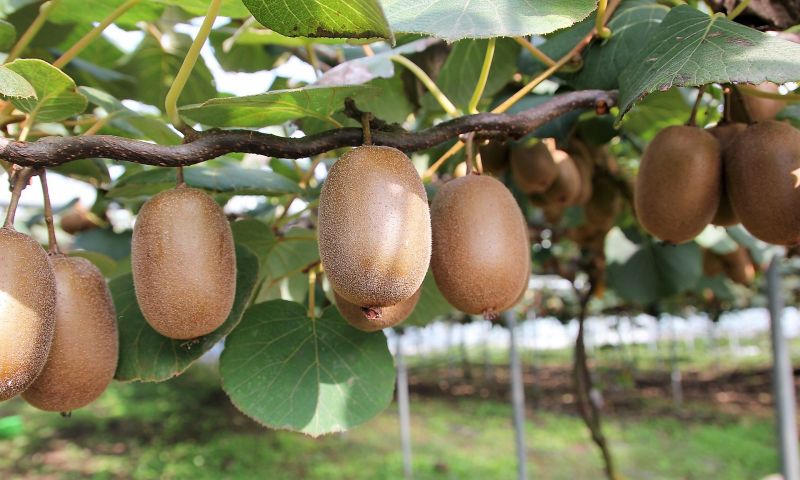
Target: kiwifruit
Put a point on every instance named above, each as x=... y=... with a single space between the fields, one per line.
x=83 y=357
x=481 y=252
x=738 y=267
x=77 y=219
x=585 y=166
x=494 y=157
x=761 y=109
x=725 y=134
x=184 y=263
x=374 y=227
x=712 y=264
x=566 y=188
x=553 y=213
x=605 y=203
x=532 y=166
x=27 y=311
x=679 y=183
x=762 y=178
x=389 y=316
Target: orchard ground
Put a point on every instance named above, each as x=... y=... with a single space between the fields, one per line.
x=187 y=428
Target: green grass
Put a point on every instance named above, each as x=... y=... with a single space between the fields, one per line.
x=186 y=428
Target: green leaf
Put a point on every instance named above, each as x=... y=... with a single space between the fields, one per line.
x=104 y=263
x=105 y=241
x=226 y=179
x=14 y=85
x=8 y=35
x=458 y=19
x=462 y=68
x=238 y=57
x=93 y=11
x=656 y=112
x=650 y=271
x=322 y=18
x=229 y=8
x=431 y=304
x=57 y=97
x=288 y=371
x=273 y=108
x=90 y=170
x=690 y=48
x=364 y=69
x=146 y=356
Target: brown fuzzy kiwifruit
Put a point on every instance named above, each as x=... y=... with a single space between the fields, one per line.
x=679 y=183
x=494 y=157
x=605 y=204
x=184 y=263
x=27 y=311
x=532 y=166
x=725 y=134
x=481 y=251
x=762 y=170
x=83 y=357
x=389 y=316
x=374 y=227
x=761 y=109
x=77 y=219
x=738 y=266
x=585 y=166
x=566 y=189
x=712 y=263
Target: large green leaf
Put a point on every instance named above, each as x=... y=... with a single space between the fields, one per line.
x=226 y=179
x=650 y=271
x=279 y=256
x=56 y=95
x=462 y=68
x=364 y=69
x=273 y=108
x=8 y=34
x=229 y=8
x=286 y=370
x=458 y=19
x=146 y=356
x=690 y=48
x=90 y=170
x=91 y=11
x=132 y=122
x=431 y=304
x=322 y=18
x=14 y=85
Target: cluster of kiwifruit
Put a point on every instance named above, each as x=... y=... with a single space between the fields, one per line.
x=690 y=177
x=378 y=236
x=58 y=331
x=736 y=265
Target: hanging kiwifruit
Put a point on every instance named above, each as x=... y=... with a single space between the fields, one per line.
x=712 y=263
x=481 y=252
x=184 y=263
x=389 y=317
x=27 y=311
x=761 y=109
x=605 y=204
x=762 y=179
x=725 y=134
x=585 y=166
x=83 y=357
x=532 y=166
x=566 y=188
x=679 y=183
x=494 y=157
x=738 y=266
x=374 y=227
x=77 y=219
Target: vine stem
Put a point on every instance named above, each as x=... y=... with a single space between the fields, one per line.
x=600 y=20
x=20 y=177
x=754 y=92
x=78 y=47
x=33 y=29
x=522 y=92
x=537 y=54
x=423 y=77
x=48 y=215
x=692 y=122
x=738 y=10
x=472 y=107
x=171 y=101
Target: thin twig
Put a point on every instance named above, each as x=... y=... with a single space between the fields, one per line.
x=692 y=122
x=48 y=215
x=19 y=179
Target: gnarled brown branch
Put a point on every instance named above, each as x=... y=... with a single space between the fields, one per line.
x=52 y=151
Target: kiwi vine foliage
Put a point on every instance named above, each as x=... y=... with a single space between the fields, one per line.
x=315 y=374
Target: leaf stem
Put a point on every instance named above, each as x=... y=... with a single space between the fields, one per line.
x=312 y=287
x=692 y=122
x=600 y=20
x=78 y=47
x=96 y=126
x=537 y=54
x=33 y=29
x=48 y=215
x=472 y=107
x=423 y=77
x=738 y=10
x=171 y=101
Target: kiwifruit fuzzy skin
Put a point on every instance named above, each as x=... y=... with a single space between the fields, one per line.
x=604 y=205
x=738 y=266
x=494 y=157
x=374 y=227
x=184 y=263
x=532 y=167
x=27 y=311
x=762 y=180
x=712 y=264
x=585 y=166
x=390 y=316
x=725 y=135
x=83 y=357
x=679 y=183
x=566 y=189
x=761 y=109
x=481 y=252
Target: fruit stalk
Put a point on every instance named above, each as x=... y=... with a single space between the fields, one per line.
x=48 y=215
x=20 y=179
x=483 y=77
